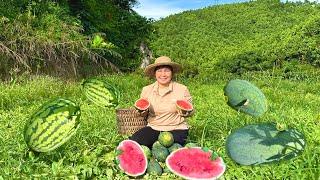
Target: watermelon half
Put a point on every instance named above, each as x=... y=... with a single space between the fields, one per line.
x=184 y=105
x=132 y=159
x=142 y=104
x=194 y=163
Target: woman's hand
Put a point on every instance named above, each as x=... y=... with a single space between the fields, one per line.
x=184 y=107
x=143 y=113
x=142 y=106
x=185 y=113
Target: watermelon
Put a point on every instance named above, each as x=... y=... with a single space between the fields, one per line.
x=245 y=97
x=132 y=159
x=194 y=163
x=146 y=151
x=52 y=125
x=190 y=144
x=184 y=105
x=264 y=143
x=157 y=145
x=166 y=170
x=101 y=93
x=154 y=167
x=160 y=153
x=142 y=104
x=166 y=138
x=174 y=147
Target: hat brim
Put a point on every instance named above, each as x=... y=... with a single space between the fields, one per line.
x=149 y=71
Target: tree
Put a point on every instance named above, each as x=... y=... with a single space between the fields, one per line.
x=122 y=26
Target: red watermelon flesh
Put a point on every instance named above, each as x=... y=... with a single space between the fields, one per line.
x=142 y=104
x=194 y=163
x=132 y=160
x=184 y=105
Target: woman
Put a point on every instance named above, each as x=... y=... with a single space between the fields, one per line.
x=162 y=95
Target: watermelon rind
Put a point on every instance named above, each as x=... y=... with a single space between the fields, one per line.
x=53 y=124
x=218 y=162
x=263 y=143
x=134 y=164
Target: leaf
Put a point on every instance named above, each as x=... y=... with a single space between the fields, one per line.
x=97 y=40
x=205 y=149
x=214 y=156
x=118 y=152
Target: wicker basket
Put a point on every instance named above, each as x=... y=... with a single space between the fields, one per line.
x=129 y=121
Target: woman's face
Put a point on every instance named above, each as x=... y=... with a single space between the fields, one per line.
x=163 y=75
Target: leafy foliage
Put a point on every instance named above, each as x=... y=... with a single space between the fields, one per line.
x=45 y=39
x=238 y=38
x=121 y=25
x=56 y=37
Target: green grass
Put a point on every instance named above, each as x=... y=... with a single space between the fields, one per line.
x=89 y=154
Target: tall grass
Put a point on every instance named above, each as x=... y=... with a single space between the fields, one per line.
x=89 y=154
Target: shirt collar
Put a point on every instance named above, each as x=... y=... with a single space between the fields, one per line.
x=156 y=86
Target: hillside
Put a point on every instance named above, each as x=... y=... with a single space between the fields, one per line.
x=242 y=37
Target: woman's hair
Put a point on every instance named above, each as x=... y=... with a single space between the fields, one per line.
x=166 y=66
x=163 y=66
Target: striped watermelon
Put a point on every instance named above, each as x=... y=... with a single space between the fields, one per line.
x=52 y=125
x=101 y=92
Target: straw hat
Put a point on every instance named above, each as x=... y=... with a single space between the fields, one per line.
x=160 y=61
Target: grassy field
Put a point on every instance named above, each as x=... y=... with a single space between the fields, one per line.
x=89 y=154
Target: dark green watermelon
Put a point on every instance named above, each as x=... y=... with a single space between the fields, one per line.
x=154 y=167
x=263 y=143
x=174 y=147
x=160 y=153
x=245 y=97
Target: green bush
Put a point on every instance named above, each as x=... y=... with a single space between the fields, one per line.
x=55 y=37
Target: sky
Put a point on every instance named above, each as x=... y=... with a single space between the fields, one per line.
x=157 y=9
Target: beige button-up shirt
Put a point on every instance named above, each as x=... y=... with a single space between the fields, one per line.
x=163 y=114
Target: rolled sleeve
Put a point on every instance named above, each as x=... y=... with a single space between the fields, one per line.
x=187 y=96
x=144 y=93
